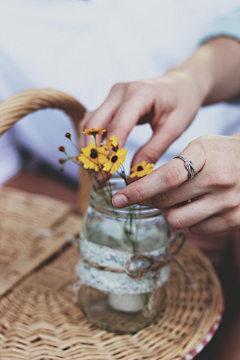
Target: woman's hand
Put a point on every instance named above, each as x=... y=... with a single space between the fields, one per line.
x=168 y=104
x=208 y=203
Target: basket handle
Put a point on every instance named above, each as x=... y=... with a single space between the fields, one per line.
x=26 y=102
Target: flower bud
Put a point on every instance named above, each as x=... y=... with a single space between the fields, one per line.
x=62 y=161
x=61 y=148
x=68 y=135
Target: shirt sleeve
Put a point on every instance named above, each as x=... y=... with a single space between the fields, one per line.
x=225 y=26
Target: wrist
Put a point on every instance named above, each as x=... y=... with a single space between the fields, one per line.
x=193 y=77
x=214 y=68
x=197 y=75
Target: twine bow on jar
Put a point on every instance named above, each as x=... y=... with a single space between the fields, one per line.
x=155 y=267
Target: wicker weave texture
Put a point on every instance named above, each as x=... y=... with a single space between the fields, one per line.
x=40 y=319
x=32 y=229
x=21 y=104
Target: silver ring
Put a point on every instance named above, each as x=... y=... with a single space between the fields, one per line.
x=188 y=166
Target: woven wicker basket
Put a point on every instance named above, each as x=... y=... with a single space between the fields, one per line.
x=39 y=314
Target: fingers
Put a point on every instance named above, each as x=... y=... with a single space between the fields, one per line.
x=212 y=213
x=218 y=223
x=151 y=151
x=103 y=115
x=193 y=189
x=128 y=114
x=125 y=105
x=162 y=180
x=192 y=213
x=163 y=136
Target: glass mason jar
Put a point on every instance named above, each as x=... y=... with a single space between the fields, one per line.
x=108 y=296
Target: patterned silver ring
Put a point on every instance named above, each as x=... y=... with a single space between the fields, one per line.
x=188 y=166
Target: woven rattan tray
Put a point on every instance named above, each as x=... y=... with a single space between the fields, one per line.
x=40 y=317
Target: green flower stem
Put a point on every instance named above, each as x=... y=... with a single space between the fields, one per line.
x=123 y=174
x=101 y=189
x=69 y=157
x=74 y=145
x=99 y=167
x=128 y=233
x=133 y=243
x=92 y=174
x=109 y=182
x=129 y=237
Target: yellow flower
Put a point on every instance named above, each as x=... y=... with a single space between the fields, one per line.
x=111 y=143
x=94 y=131
x=117 y=159
x=141 y=169
x=92 y=156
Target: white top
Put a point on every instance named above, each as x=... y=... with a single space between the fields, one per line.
x=83 y=48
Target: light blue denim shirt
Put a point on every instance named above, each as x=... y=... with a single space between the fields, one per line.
x=225 y=26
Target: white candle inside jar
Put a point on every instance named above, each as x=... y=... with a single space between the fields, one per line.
x=127 y=302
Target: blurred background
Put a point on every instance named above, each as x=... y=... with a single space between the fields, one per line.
x=84 y=47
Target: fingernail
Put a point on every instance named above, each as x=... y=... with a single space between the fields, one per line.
x=120 y=201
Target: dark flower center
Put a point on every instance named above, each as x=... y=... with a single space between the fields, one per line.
x=139 y=168
x=93 y=154
x=115 y=148
x=114 y=158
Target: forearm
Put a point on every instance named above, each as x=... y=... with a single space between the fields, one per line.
x=215 y=69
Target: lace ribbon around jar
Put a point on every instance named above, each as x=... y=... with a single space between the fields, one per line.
x=145 y=272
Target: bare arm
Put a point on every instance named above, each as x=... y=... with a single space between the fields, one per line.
x=215 y=67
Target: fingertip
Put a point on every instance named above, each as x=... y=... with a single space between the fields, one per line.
x=139 y=157
x=118 y=132
x=120 y=200
x=146 y=153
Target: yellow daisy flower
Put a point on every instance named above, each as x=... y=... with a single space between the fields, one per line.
x=141 y=169
x=94 y=131
x=92 y=156
x=117 y=159
x=111 y=143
